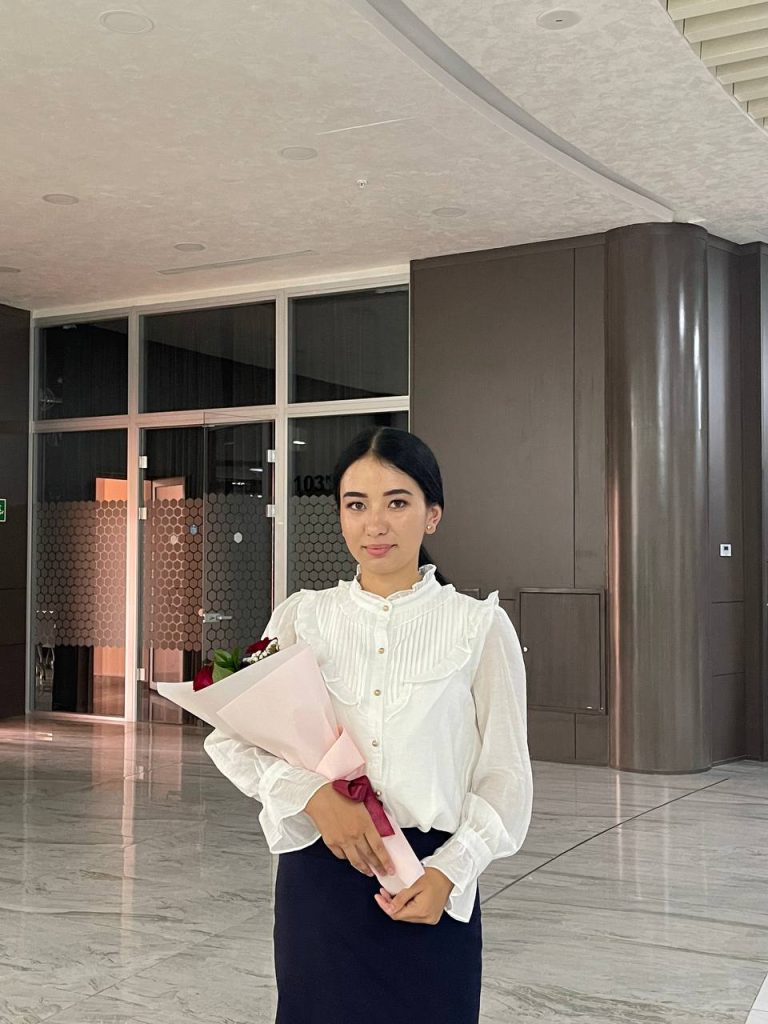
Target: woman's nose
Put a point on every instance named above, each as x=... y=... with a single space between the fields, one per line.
x=376 y=523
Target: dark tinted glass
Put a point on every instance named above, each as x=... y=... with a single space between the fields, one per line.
x=353 y=345
x=78 y=584
x=83 y=370
x=209 y=358
x=317 y=553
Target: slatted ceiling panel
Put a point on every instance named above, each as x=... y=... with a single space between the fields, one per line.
x=742 y=70
x=744 y=46
x=731 y=39
x=680 y=9
x=752 y=89
x=726 y=23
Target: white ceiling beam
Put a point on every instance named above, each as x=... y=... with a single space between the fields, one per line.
x=726 y=23
x=745 y=46
x=679 y=9
x=742 y=70
x=753 y=89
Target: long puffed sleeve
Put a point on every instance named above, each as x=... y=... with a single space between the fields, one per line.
x=281 y=789
x=496 y=811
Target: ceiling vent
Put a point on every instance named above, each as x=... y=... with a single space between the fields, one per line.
x=237 y=263
x=731 y=38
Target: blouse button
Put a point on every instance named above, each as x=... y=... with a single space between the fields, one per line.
x=374 y=743
x=378 y=792
x=385 y=608
x=381 y=650
x=377 y=693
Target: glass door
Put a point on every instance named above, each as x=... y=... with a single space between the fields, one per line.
x=206 y=552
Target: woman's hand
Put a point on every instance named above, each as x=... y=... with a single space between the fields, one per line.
x=348 y=831
x=421 y=903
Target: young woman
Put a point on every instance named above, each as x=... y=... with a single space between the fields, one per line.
x=430 y=683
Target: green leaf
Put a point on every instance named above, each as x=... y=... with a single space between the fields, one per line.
x=220 y=672
x=236 y=658
x=222 y=658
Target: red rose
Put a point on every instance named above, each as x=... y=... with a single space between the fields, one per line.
x=259 y=646
x=203 y=678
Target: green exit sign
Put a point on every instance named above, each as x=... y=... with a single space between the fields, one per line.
x=2 y=510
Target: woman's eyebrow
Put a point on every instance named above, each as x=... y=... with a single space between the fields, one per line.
x=359 y=494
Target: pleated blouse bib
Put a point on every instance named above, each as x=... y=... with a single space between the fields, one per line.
x=430 y=684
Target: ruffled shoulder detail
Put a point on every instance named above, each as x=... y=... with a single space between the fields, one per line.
x=308 y=629
x=282 y=622
x=464 y=632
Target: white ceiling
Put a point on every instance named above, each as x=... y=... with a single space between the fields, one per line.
x=174 y=136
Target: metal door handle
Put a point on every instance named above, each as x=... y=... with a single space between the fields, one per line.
x=215 y=617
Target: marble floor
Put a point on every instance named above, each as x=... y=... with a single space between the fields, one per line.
x=135 y=888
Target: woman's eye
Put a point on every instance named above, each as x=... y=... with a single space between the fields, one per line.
x=353 y=503
x=400 y=502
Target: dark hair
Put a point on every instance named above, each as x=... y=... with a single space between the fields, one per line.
x=405 y=452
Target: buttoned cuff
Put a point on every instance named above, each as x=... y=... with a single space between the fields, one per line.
x=462 y=859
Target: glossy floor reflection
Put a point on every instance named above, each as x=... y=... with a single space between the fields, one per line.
x=135 y=888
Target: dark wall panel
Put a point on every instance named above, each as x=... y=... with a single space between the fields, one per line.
x=14 y=448
x=592 y=739
x=727 y=638
x=725 y=463
x=728 y=717
x=589 y=417
x=564 y=651
x=754 y=398
x=551 y=735
x=508 y=387
x=492 y=393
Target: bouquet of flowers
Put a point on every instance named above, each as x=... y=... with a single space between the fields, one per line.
x=277 y=700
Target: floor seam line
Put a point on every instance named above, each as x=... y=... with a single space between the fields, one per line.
x=597 y=835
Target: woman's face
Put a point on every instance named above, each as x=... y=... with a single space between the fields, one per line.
x=384 y=516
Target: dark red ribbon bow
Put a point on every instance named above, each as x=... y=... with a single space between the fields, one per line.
x=361 y=791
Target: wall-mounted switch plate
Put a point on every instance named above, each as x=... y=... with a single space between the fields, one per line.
x=725 y=550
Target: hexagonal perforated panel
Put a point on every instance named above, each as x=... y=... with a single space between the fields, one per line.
x=215 y=557
x=238 y=572
x=319 y=556
x=173 y=574
x=79 y=587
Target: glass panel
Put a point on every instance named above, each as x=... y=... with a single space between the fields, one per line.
x=209 y=358
x=80 y=517
x=83 y=370
x=353 y=345
x=317 y=554
x=207 y=550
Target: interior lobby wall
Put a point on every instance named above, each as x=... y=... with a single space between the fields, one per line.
x=14 y=453
x=594 y=405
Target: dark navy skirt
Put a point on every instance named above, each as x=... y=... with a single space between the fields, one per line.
x=339 y=959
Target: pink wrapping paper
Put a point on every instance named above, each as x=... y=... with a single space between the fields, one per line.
x=282 y=705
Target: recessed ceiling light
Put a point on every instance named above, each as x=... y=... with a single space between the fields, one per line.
x=10 y=270
x=449 y=211
x=298 y=153
x=126 y=23
x=558 y=19
x=189 y=246
x=60 y=199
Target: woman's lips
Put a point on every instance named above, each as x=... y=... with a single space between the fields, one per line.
x=380 y=550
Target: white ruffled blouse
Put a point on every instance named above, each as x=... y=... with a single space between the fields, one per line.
x=430 y=684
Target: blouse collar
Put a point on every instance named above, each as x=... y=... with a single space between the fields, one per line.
x=421 y=593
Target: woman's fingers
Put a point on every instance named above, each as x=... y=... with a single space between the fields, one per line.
x=378 y=857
